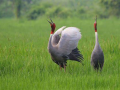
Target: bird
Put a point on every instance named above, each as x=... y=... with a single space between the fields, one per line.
x=62 y=45
x=97 y=56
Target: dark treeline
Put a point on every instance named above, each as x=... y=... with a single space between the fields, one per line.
x=32 y=9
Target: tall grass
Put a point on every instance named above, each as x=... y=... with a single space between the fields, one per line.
x=25 y=63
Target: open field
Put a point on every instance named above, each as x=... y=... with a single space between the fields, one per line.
x=25 y=63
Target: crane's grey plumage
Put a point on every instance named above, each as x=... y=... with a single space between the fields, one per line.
x=97 y=57
x=62 y=46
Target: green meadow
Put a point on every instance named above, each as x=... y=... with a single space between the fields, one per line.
x=25 y=63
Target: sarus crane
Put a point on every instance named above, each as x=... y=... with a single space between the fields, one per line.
x=97 y=56
x=62 y=45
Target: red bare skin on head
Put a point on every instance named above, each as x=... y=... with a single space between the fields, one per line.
x=95 y=26
x=52 y=27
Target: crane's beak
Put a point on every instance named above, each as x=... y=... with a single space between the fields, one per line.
x=51 y=22
x=96 y=19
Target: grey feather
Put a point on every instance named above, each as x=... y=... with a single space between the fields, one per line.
x=76 y=55
x=97 y=57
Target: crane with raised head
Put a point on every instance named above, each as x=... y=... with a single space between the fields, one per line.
x=62 y=45
x=97 y=56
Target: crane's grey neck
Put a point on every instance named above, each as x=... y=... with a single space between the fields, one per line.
x=50 y=39
x=51 y=45
x=96 y=38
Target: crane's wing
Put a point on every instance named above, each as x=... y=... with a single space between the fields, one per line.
x=69 y=40
x=56 y=36
x=58 y=32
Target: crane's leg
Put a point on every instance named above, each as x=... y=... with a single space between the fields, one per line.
x=60 y=66
x=101 y=65
x=64 y=67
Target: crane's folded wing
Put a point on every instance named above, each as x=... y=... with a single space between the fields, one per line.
x=69 y=40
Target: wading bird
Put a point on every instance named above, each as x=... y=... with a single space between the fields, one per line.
x=62 y=45
x=97 y=56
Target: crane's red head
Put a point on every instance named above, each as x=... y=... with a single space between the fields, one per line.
x=95 y=24
x=52 y=26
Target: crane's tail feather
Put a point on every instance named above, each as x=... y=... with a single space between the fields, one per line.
x=76 y=55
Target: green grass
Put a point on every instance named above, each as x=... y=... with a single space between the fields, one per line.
x=25 y=63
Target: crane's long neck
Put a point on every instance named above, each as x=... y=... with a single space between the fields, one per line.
x=96 y=38
x=96 y=35
x=50 y=43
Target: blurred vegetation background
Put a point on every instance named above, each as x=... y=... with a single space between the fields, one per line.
x=84 y=9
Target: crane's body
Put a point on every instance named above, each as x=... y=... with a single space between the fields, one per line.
x=64 y=47
x=97 y=57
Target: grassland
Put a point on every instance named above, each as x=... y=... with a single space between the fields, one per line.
x=25 y=63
